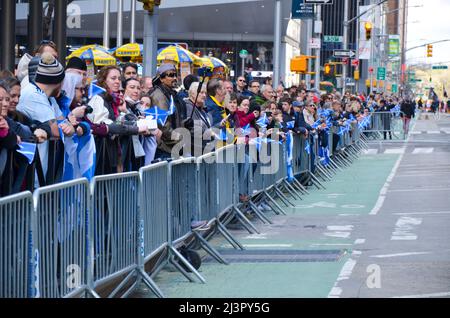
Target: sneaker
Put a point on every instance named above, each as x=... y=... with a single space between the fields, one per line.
x=196 y=225
x=264 y=207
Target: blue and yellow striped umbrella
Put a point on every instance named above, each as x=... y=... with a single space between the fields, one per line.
x=176 y=54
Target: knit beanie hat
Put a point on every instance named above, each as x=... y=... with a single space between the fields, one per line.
x=49 y=71
x=77 y=64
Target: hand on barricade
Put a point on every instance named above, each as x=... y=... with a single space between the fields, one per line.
x=41 y=135
x=67 y=129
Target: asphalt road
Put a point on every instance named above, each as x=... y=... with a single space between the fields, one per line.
x=380 y=229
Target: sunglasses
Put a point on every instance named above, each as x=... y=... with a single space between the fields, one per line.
x=241 y=81
x=173 y=75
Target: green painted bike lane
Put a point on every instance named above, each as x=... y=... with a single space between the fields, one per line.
x=351 y=192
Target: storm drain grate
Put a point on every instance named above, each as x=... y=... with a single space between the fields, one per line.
x=279 y=256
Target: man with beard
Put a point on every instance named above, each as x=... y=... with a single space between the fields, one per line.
x=161 y=96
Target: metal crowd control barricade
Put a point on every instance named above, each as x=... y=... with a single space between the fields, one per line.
x=61 y=240
x=16 y=279
x=227 y=171
x=242 y=186
x=272 y=169
x=385 y=125
x=114 y=230
x=301 y=161
x=154 y=229
x=183 y=207
x=257 y=184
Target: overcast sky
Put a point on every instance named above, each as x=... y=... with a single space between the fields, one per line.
x=427 y=24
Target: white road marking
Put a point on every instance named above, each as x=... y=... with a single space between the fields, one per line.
x=371 y=151
x=422 y=213
x=434 y=132
x=338 y=234
x=395 y=151
x=378 y=205
x=332 y=244
x=345 y=273
x=422 y=150
x=444 y=294
x=415 y=132
x=261 y=236
x=420 y=190
x=356 y=253
x=360 y=241
x=341 y=231
x=403 y=229
x=400 y=254
x=340 y=227
x=421 y=175
x=259 y=245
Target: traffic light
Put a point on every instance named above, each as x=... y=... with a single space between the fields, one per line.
x=368 y=27
x=329 y=69
x=299 y=64
x=149 y=5
x=429 y=50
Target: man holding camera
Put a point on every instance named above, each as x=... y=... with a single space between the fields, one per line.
x=161 y=96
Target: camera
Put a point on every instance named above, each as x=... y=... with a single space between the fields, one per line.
x=205 y=72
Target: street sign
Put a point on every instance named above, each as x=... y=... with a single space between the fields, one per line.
x=314 y=43
x=301 y=10
x=394 y=45
x=349 y=82
x=439 y=67
x=394 y=88
x=243 y=54
x=333 y=39
x=355 y=62
x=318 y=1
x=381 y=73
x=343 y=53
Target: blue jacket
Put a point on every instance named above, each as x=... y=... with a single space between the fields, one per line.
x=216 y=111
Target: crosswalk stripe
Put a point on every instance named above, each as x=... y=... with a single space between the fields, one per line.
x=422 y=150
x=415 y=132
x=434 y=132
x=395 y=151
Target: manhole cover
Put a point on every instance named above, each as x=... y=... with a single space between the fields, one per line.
x=279 y=256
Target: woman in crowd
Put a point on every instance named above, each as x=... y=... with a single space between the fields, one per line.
x=201 y=122
x=146 y=145
x=106 y=111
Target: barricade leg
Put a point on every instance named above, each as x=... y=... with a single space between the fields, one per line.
x=245 y=222
x=258 y=213
x=334 y=166
x=282 y=197
x=272 y=201
x=209 y=249
x=223 y=230
x=316 y=181
x=260 y=199
x=300 y=186
x=323 y=172
x=172 y=260
x=293 y=192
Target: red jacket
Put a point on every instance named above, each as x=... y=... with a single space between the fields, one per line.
x=243 y=119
